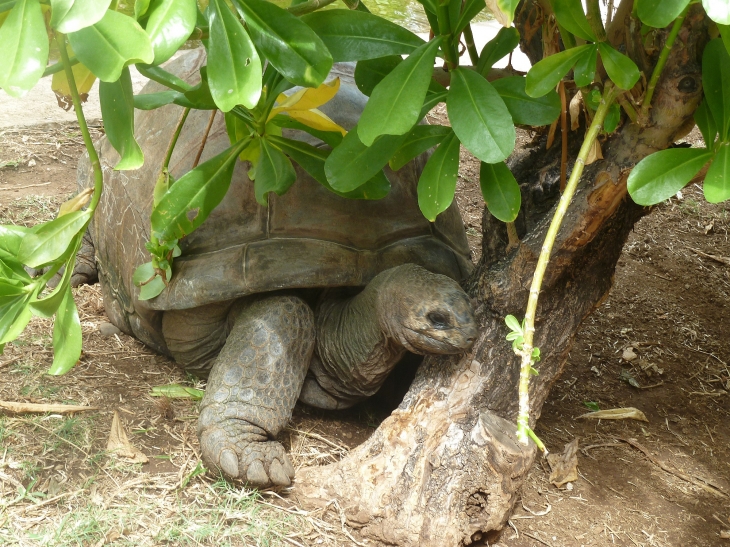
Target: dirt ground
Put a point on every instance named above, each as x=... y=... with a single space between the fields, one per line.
x=659 y=343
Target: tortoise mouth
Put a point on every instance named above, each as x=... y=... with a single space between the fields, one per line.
x=449 y=341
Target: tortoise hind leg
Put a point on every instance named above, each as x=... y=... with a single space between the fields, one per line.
x=252 y=389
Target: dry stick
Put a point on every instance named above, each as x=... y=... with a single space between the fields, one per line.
x=529 y=535
x=702 y=483
x=564 y=137
x=663 y=56
x=523 y=428
x=205 y=139
x=10 y=362
x=720 y=259
x=26 y=186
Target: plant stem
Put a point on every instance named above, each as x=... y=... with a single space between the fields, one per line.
x=308 y=7
x=523 y=428
x=173 y=142
x=513 y=240
x=595 y=20
x=470 y=45
x=663 y=56
x=58 y=67
x=93 y=156
x=444 y=19
x=628 y=108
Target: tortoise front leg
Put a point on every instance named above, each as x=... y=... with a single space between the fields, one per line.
x=252 y=389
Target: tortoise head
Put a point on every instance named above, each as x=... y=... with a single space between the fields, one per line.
x=425 y=312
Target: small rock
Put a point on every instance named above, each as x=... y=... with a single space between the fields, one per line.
x=628 y=354
x=107 y=330
x=31 y=163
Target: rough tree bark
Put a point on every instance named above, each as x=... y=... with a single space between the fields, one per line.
x=445 y=467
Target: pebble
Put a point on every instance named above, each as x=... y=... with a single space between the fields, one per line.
x=107 y=330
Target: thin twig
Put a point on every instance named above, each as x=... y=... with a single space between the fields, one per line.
x=205 y=139
x=26 y=186
x=529 y=535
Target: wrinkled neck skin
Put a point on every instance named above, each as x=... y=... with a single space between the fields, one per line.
x=353 y=343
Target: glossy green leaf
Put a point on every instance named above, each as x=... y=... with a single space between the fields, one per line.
x=117 y=109
x=718 y=10
x=395 y=104
x=570 y=15
x=289 y=45
x=716 y=84
x=500 y=190
x=312 y=160
x=200 y=96
x=234 y=67
x=111 y=44
x=420 y=139
x=612 y=118
x=356 y=35
x=437 y=184
x=72 y=15
x=545 y=75
x=717 y=180
x=23 y=48
x=479 y=116
x=585 y=68
x=47 y=306
x=352 y=163
x=52 y=239
x=11 y=236
x=150 y=101
x=725 y=35
x=506 y=40
x=140 y=8
x=661 y=175
x=152 y=288
x=706 y=123
x=524 y=109
x=659 y=13
x=169 y=25
x=470 y=10
x=503 y=10
x=331 y=138
x=274 y=172
x=14 y=310
x=370 y=73
x=191 y=199
x=66 y=336
x=622 y=70
x=161 y=76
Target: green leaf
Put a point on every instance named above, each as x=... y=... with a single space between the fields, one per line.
x=14 y=310
x=479 y=116
x=717 y=180
x=622 y=70
x=111 y=44
x=150 y=101
x=176 y=391
x=725 y=35
x=332 y=138
x=169 y=25
x=161 y=76
x=437 y=184
x=11 y=236
x=357 y=35
x=52 y=239
x=470 y=10
x=47 y=306
x=140 y=8
x=506 y=8
x=152 y=288
x=526 y=110
x=659 y=13
x=191 y=199
x=289 y=45
x=312 y=160
x=200 y=96
x=706 y=123
x=24 y=47
x=274 y=172
x=370 y=73
x=593 y=406
x=500 y=190
x=395 y=104
x=612 y=118
x=117 y=109
x=419 y=140
x=545 y=75
x=513 y=324
x=72 y=15
x=234 y=67
x=66 y=336
x=585 y=68
x=352 y=163
x=661 y=175
x=716 y=84
x=506 y=40
x=570 y=15
x=718 y=10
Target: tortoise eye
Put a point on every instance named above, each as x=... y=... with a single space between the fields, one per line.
x=438 y=319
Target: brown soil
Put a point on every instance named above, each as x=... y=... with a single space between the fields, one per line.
x=669 y=304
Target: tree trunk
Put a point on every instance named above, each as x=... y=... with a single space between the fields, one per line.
x=445 y=467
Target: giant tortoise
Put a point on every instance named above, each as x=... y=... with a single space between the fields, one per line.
x=269 y=301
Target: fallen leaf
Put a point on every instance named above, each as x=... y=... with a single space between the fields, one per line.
x=595 y=153
x=42 y=408
x=574 y=110
x=564 y=466
x=628 y=413
x=725 y=534
x=119 y=445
